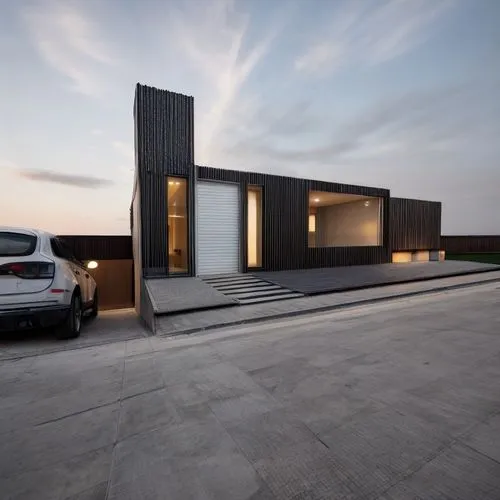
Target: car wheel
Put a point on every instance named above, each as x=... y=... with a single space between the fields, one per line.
x=70 y=329
x=95 y=305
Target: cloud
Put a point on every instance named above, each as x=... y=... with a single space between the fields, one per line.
x=7 y=165
x=370 y=34
x=97 y=131
x=69 y=41
x=81 y=181
x=213 y=38
x=440 y=120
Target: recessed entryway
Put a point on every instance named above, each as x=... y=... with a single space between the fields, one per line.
x=218 y=228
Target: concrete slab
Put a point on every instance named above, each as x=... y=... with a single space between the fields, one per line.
x=334 y=279
x=393 y=401
x=174 y=295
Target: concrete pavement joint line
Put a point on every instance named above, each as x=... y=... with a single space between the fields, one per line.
x=149 y=391
x=411 y=471
x=44 y=465
x=485 y=455
x=346 y=305
x=58 y=419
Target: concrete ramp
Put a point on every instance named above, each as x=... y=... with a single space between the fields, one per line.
x=176 y=295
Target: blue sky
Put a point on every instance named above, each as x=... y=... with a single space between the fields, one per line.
x=401 y=94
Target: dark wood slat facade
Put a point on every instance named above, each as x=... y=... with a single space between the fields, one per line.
x=100 y=247
x=471 y=244
x=164 y=145
x=414 y=224
x=285 y=221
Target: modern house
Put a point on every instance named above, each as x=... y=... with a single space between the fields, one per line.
x=190 y=220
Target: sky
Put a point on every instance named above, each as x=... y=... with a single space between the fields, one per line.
x=401 y=94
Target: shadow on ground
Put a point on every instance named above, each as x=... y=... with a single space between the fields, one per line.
x=109 y=326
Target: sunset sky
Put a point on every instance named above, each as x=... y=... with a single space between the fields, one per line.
x=403 y=94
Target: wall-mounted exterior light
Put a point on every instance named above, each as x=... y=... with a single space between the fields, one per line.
x=92 y=264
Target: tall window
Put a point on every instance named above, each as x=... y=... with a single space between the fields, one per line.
x=254 y=229
x=178 y=251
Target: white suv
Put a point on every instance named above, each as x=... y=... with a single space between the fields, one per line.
x=42 y=284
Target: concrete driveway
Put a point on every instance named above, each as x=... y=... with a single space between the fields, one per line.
x=108 y=327
x=391 y=401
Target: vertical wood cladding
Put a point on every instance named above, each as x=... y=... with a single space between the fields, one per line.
x=471 y=244
x=164 y=145
x=99 y=247
x=414 y=224
x=285 y=204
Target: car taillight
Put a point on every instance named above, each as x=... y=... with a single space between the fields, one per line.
x=28 y=270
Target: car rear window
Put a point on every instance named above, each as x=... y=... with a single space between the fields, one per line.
x=16 y=244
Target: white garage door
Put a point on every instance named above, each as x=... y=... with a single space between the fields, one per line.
x=217 y=228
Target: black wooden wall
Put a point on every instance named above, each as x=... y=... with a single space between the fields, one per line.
x=285 y=221
x=471 y=244
x=99 y=247
x=414 y=224
x=164 y=145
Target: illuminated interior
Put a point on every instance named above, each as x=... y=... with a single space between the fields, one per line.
x=177 y=225
x=344 y=220
x=401 y=257
x=254 y=228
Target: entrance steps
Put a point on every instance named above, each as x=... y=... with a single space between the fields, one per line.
x=248 y=289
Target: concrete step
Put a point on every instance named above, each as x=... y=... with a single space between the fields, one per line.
x=280 y=292
x=223 y=276
x=212 y=279
x=227 y=288
x=232 y=282
x=259 y=300
x=255 y=289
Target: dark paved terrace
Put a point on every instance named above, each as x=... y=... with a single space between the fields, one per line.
x=336 y=279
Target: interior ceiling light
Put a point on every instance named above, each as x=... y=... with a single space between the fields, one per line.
x=171 y=183
x=177 y=183
x=367 y=203
x=316 y=200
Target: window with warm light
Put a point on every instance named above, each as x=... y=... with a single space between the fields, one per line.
x=344 y=220
x=254 y=226
x=177 y=212
x=312 y=223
